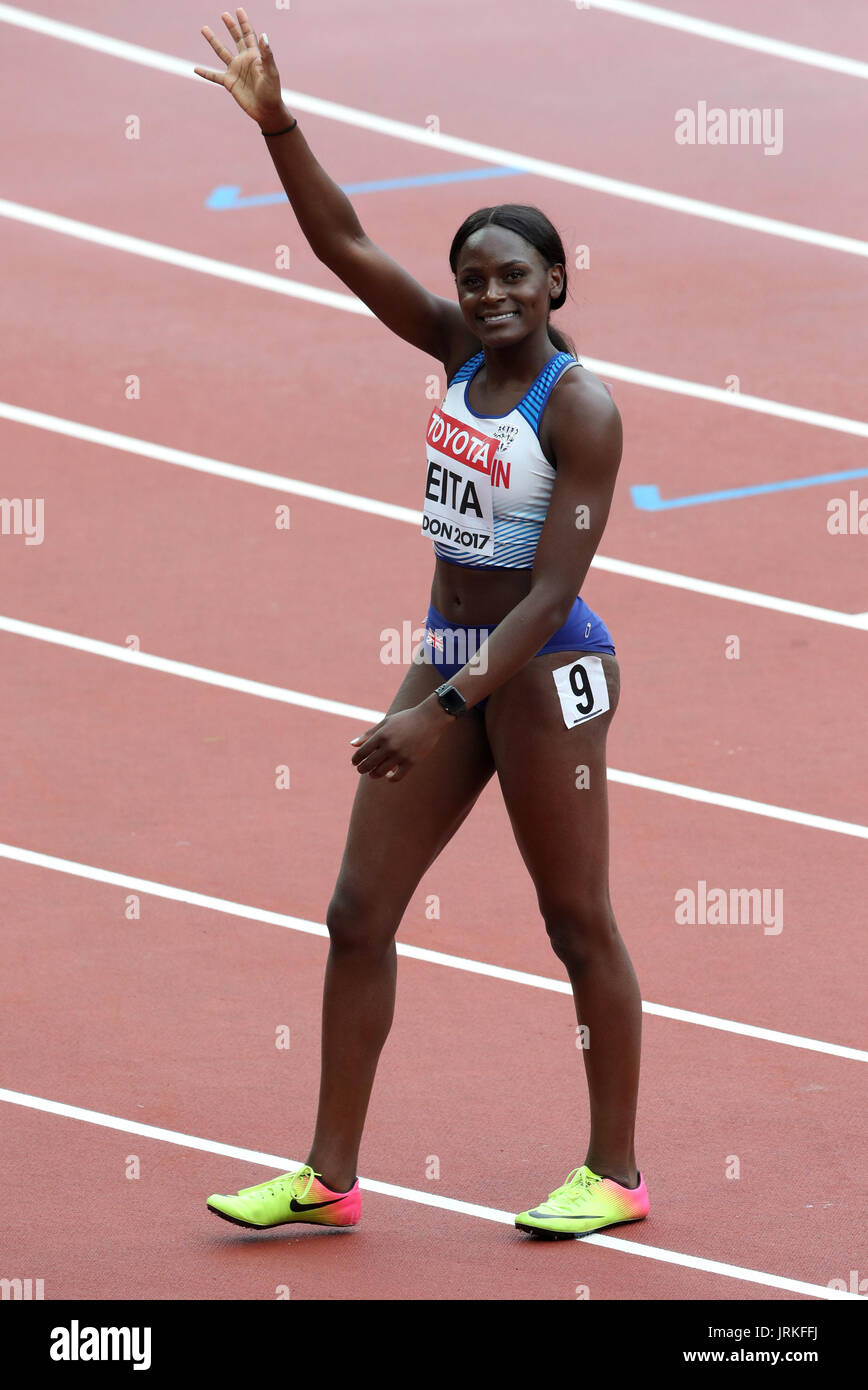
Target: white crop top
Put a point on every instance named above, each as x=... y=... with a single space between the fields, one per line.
x=489 y=483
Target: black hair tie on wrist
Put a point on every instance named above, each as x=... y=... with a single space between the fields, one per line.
x=269 y=134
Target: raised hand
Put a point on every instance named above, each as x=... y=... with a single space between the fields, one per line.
x=251 y=74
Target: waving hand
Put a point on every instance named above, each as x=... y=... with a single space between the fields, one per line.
x=250 y=74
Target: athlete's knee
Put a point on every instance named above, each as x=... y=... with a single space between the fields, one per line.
x=580 y=929
x=359 y=920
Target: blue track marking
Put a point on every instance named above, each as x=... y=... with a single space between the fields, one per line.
x=647 y=497
x=227 y=195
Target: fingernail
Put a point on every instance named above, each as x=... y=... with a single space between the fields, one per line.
x=265 y=39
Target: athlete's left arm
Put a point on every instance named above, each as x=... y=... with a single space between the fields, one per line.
x=587 y=440
x=585 y=433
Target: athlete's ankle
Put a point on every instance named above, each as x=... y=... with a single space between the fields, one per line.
x=624 y=1175
x=345 y=1185
x=334 y=1177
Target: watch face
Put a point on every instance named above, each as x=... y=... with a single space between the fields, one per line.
x=451 y=699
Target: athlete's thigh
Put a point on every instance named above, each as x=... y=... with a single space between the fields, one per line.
x=397 y=829
x=553 y=778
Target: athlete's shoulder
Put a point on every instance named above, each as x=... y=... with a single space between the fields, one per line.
x=582 y=414
x=578 y=389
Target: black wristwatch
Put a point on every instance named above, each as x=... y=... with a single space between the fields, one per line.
x=451 y=700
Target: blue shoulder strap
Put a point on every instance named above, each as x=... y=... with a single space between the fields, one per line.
x=533 y=404
x=468 y=369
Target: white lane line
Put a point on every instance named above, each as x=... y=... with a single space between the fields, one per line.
x=185 y=670
x=185 y=260
x=471 y=967
x=335 y=299
x=739 y=38
x=17 y=628
x=420 y=135
x=199 y=463
x=411 y=1194
x=142 y=448
x=332 y=299
x=738 y=400
x=628 y=570
x=737 y=803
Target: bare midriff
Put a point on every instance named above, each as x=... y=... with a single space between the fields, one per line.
x=474 y=597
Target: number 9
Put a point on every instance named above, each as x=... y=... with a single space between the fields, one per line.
x=585 y=702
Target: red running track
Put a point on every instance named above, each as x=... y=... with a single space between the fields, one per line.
x=169 y=1020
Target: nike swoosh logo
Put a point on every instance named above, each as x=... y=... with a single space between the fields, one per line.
x=313 y=1206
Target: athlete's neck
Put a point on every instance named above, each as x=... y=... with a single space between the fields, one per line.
x=518 y=363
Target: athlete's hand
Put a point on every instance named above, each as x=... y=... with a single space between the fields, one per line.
x=392 y=747
x=251 y=73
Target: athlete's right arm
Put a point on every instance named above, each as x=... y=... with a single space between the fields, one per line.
x=325 y=214
x=329 y=222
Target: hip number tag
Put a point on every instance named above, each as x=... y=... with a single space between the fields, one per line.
x=582 y=690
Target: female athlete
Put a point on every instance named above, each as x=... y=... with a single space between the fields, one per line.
x=516 y=675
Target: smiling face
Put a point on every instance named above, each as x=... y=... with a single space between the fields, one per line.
x=504 y=286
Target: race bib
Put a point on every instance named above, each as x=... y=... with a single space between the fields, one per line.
x=582 y=690
x=458 y=491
